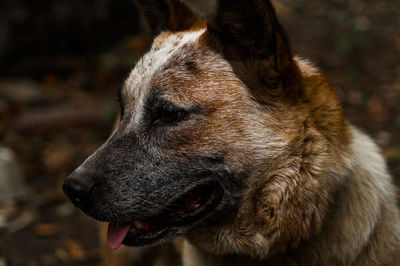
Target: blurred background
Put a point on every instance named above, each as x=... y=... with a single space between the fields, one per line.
x=62 y=62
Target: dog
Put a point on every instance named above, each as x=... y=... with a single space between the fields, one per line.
x=230 y=142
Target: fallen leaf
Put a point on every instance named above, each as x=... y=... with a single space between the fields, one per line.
x=22 y=221
x=392 y=154
x=47 y=229
x=7 y=210
x=62 y=255
x=65 y=210
x=75 y=251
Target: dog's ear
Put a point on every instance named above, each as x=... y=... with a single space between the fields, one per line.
x=172 y=15
x=251 y=38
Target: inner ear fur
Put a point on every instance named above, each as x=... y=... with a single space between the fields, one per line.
x=251 y=38
x=167 y=15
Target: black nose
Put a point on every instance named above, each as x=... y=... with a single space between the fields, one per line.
x=79 y=191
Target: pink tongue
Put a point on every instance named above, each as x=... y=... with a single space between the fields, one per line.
x=116 y=234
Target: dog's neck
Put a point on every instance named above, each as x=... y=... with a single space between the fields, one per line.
x=342 y=230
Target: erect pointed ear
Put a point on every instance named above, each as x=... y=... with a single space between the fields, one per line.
x=172 y=15
x=251 y=38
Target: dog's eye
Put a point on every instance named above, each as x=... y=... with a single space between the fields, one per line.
x=170 y=115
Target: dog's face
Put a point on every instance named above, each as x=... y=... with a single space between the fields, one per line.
x=205 y=113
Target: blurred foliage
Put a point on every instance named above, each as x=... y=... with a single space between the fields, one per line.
x=35 y=32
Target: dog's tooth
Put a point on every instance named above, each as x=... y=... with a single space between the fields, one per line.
x=138 y=224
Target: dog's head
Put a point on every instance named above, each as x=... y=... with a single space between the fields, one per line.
x=214 y=121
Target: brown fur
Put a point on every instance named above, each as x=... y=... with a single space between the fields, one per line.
x=317 y=191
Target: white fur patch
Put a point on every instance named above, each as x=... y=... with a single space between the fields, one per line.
x=370 y=187
x=307 y=67
x=137 y=84
x=368 y=156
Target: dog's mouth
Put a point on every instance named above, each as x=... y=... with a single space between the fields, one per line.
x=182 y=213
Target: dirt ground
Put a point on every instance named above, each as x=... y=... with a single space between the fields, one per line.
x=55 y=111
